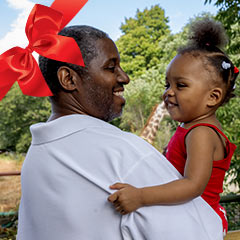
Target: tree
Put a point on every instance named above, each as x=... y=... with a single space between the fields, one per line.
x=141 y=95
x=146 y=90
x=138 y=45
x=17 y=113
x=228 y=12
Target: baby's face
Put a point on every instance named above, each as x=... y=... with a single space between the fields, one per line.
x=187 y=88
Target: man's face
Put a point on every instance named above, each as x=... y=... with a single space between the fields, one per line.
x=101 y=91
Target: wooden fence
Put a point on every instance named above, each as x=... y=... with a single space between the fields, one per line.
x=230 y=202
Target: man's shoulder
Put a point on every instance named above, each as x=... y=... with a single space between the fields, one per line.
x=90 y=130
x=99 y=127
x=125 y=137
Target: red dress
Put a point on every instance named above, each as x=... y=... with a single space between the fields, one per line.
x=176 y=154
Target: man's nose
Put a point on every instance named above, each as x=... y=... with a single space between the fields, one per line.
x=123 y=77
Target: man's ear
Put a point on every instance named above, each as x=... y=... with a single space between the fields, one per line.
x=67 y=78
x=215 y=97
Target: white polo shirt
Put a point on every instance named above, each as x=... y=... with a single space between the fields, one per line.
x=66 y=176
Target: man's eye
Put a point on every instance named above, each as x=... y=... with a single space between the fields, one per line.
x=111 y=68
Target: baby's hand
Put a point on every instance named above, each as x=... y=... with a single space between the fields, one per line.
x=127 y=199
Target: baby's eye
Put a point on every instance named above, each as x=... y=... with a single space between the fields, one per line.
x=167 y=85
x=181 y=85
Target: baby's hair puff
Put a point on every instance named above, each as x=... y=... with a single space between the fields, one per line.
x=207 y=32
x=207 y=38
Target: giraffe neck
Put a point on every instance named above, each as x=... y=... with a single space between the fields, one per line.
x=149 y=131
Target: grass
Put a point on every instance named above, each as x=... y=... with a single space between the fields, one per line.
x=12 y=156
x=10 y=185
x=10 y=193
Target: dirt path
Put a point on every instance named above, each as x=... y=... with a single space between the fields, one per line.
x=10 y=186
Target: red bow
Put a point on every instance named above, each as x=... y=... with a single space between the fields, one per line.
x=235 y=70
x=42 y=27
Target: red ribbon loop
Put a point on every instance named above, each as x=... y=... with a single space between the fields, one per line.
x=42 y=27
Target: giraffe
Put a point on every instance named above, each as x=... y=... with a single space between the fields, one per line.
x=149 y=131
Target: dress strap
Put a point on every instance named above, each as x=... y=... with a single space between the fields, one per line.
x=208 y=125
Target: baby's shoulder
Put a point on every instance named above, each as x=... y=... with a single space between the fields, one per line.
x=206 y=133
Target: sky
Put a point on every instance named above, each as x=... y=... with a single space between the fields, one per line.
x=107 y=15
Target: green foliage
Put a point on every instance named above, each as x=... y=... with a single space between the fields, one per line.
x=228 y=12
x=18 y=112
x=233 y=48
x=12 y=156
x=164 y=134
x=139 y=46
x=145 y=91
x=8 y=233
x=141 y=95
x=229 y=116
x=233 y=215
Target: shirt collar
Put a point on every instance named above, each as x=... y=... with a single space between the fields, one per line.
x=49 y=131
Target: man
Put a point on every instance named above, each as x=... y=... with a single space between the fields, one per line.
x=77 y=155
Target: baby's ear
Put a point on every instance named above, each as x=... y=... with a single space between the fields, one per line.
x=67 y=78
x=215 y=97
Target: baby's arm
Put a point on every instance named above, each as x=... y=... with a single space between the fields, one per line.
x=201 y=145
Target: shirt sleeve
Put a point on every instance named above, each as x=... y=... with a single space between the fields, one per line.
x=192 y=220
